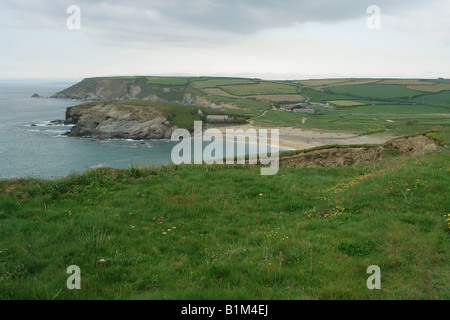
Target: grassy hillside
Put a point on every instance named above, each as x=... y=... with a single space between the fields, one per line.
x=210 y=232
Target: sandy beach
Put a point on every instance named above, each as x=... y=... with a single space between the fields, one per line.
x=299 y=139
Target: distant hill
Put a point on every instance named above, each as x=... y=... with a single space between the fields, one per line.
x=219 y=91
x=351 y=99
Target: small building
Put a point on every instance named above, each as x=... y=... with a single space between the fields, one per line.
x=217 y=118
x=300 y=108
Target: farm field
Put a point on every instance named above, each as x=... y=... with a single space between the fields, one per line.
x=406 y=82
x=345 y=103
x=267 y=97
x=430 y=88
x=375 y=91
x=401 y=109
x=441 y=99
x=212 y=83
x=262 y=88
x=320 y=82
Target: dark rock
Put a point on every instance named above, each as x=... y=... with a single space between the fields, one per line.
x=118 y=121
x=36 y=96
x=56 y=122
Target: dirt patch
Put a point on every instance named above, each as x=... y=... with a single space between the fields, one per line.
x=10 y=188
x=350 y=155
x=413 y=145
x=333 y=157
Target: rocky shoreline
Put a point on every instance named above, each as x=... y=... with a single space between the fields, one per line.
x=118 y=121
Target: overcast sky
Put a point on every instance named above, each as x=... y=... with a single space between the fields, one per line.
x=285 y=39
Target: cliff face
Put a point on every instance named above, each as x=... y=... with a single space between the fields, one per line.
x=118 y=121
x=349 y=155
x=103 y=89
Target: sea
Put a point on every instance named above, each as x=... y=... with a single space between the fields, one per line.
x=30 y=146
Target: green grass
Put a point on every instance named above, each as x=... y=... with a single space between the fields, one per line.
x=441 y=99
x=262 y=88
x=400 y=109
x=377 y=91
x=234 y=234
x=345 y=103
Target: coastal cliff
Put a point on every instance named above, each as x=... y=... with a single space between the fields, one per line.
x=108 y=89
x=109 y=120
x=138 y=88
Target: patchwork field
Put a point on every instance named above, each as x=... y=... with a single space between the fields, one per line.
x=254 y=96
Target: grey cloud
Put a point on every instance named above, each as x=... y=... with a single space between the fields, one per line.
x=193 y=20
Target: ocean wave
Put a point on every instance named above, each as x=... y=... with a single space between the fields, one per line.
x=57 y=131
x=49 y=124
x=36 y=130
x=42 y=124
x=118 y=139
x=63 y=125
